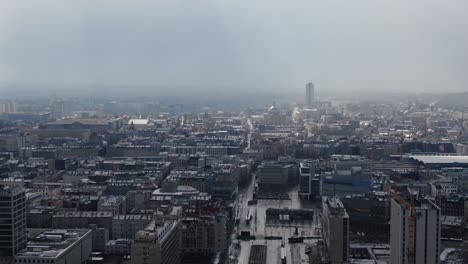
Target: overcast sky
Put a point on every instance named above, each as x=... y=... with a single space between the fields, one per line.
x=397 y=45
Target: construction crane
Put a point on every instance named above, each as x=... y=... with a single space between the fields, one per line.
x=402 y=140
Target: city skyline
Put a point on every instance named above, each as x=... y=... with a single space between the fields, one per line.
x=261 y=46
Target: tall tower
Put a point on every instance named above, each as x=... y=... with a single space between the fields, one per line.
x=414 y=231
x=12 y=221
x=309 y=99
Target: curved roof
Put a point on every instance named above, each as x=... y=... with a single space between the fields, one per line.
x=138 y=121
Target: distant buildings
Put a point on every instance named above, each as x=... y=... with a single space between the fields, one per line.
x=335 y=224
x=415 y=231
x=7 y=107
x=274 y=117
x=137 y=124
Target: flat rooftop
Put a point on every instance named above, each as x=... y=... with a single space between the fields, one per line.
x=52 y=243
x=84 y=214
x=439 y=159
x=335 y=206
x=155 y=231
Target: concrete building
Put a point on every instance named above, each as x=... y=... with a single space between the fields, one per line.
x=57 y=246
x=12 y=221
x=309 y=98
x=40 y=216
x=200 y=180
x=121 y=246
x=225 y=181
x=369 y=215
x=115 y=204
x=415 y=228
x=127 y=225
x=204 y=235
x=138 y=124
x=309 y=185
x=335 y=224
x=272 y=173
x=346 y=182
x=274 y=117
x=100 y=236
x=158 y=243
x=82 y=219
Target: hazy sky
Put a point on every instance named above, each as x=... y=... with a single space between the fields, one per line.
x=400 y=45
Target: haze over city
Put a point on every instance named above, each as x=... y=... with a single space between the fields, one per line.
x=233 y=132
x=261 y=46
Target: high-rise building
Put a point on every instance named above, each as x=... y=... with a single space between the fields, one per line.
x=335 y=224
x=12 y=221
x=309 y=185
x=309 y=99
x=414 y=230
x=7 y=107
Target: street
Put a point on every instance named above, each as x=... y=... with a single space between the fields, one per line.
x=295 y=253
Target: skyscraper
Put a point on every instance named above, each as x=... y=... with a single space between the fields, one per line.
x=309 y=99
x=414 y=231
x=12 y=221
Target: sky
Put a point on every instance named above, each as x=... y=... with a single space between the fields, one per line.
x=243 y=45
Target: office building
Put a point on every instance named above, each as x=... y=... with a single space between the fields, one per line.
x=273 y=174
x=100 y=236
x=12 y=221
x=414 y=230
x=335 y=224
x=226 y=181
x=82 y=219
x=369 y=215
x=57 y=246
x=204 y=234
x=127 y=225
x=158 y=243
x=121 y=246
x=309 y=185
x=309 y=99
x=346 y=182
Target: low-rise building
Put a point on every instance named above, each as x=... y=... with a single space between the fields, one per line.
x=121 y=246
x=72 y=246
x=82 y=219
